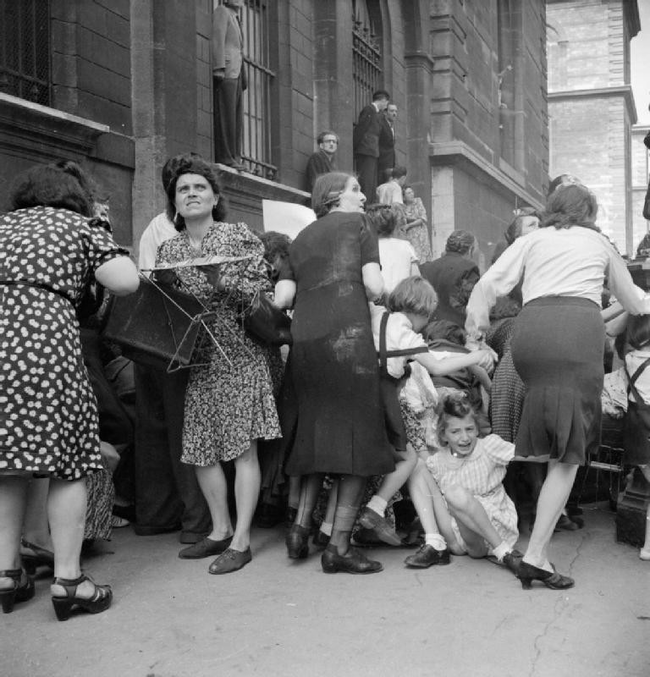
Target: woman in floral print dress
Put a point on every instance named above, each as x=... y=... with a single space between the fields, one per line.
x=49 y=252
x=229 y=403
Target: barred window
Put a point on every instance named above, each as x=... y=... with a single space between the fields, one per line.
x=25 y=49
x=366 y=54
x=256 y=151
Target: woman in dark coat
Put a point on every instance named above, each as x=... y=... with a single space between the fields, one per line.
x=333 y=271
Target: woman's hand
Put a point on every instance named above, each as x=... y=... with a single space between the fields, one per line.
x=487 y=359
x=213 y=272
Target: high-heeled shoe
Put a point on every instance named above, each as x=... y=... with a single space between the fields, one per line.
x=297 y=542
x=22 y=590
x=63 y=606
x=527 y=573
x=353 y=562
x=38 y=557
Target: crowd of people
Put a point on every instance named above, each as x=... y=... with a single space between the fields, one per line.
x=385 y=420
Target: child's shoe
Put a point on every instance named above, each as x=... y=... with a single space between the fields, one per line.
x=644 y=554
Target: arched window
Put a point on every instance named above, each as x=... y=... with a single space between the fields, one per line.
x=25 y=49
x=366 y=48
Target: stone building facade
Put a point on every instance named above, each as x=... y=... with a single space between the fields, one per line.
x=640 y=179
x=591 y=106
x=129 y=83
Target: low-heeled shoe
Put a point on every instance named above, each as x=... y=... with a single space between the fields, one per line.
x=369 y=519
x=427 y=556
x=353 y=562
x=230 y=560
x=297 y=542
x=205 y=548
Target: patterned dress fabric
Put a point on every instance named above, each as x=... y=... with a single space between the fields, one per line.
x=48 y=412
x=418 y=236
x=482 y=475
x=229 y=399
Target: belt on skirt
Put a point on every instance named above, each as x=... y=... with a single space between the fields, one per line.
x=36 y=285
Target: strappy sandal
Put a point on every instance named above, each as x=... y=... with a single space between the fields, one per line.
x=21 y=591
x=63 y=606
x=38 y=557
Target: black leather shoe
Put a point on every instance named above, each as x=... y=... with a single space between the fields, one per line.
x=297 y=542
x=191 y=537
x=427 y=556
x=230 y=560
x=512 y=560
x=369 y=519
x=353 y=562
x=528 y=573
x=205 y=548
x=320 y=540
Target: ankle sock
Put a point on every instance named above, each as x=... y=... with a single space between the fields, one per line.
x=326 y=528
x=501 y=550
x=378 y=505
x=644 y=554
x=436 y=541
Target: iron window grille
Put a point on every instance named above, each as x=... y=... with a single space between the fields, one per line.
x=25 y=49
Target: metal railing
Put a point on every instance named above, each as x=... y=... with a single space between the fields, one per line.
x=256 y=151
x=366 y=63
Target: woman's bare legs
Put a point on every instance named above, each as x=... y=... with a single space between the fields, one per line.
x=213 y=484
x=552 y=499
x=66 y=511
x=36 y=528
x=13 y=499
x=247 y=491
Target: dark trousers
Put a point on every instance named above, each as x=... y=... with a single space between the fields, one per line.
x=228 y=121
x=367 y=173
x=167 y=491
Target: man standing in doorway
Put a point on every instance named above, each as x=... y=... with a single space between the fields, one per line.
x=387 y=142
x=229 y=75
x=366 y=142
x=322 y=161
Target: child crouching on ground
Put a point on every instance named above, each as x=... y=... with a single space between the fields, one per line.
x=397 y=341
x=468 y=509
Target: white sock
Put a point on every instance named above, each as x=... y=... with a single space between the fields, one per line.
x=436 y=541
x=501 y=550
x=377 y=504
x=326 y=528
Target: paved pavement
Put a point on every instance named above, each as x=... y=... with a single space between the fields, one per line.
x=285 y=618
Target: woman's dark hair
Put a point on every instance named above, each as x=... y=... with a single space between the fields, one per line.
x=384 y=218
x=456 y=405
x=571 y=205
x=327 y=191
x=192 y=165
x=513 y=231
x=52 y=186
x=276 y=251
x=638 y=331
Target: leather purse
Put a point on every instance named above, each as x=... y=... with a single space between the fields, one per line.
x=265 y=322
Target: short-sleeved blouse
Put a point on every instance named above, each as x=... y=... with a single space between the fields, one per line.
x=48 y=413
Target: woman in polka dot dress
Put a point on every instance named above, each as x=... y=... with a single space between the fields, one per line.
x=49 y=251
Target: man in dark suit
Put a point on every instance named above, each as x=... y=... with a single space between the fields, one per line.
x=366 y=142
x=386 y=142
x=323 y=161
x=229 y=74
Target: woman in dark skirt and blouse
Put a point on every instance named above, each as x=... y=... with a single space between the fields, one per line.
x=333 y=271
x=557 y=348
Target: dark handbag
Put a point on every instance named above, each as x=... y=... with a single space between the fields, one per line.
x=265 y=322
x=636 y=433
x=155 y=326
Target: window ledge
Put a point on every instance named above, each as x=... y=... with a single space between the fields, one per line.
x=30 y=125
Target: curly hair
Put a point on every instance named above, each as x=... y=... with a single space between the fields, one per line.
x=460 y=242
x=454 y=405
x=190 y=164
x=54 y=186
x=385 y=218
x=413 y=295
